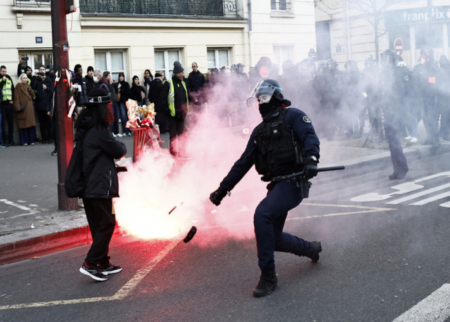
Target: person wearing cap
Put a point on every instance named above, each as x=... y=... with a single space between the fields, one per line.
x=276 y=147
x=102 y=184
x=157 y=87
x=90 y=83
x=178 y=102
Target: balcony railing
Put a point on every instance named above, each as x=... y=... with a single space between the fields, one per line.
x=32 y=3
x=188 y=8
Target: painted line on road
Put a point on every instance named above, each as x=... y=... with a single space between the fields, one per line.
x=21 y=207
x=431 y=199
x=120 y=295
x=434 y=308
x=420 y=194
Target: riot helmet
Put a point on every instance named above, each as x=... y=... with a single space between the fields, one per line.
x=332 y=64
x=312 y=55
x=267 y=94
x=389 y=58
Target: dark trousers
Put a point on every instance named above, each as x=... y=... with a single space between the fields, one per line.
x=176 y=128
x=123 y=116
x=7 y=121
x=101 y=223
x=269 y=221
x=395 y=146
x=431 y=119
x=162 y=119
x=45 y=122
x=28 y=135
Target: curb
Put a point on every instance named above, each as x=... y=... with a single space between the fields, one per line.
x=47 y=244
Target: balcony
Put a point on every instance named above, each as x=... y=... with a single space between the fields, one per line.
x=34 y=6
x=162 y=8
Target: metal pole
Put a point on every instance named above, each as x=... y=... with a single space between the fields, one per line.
x=250 y=32
x=349 y=41
x=64 y=130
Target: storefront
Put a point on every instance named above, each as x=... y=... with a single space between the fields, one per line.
x=416 y=28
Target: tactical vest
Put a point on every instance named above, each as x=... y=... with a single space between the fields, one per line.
x=171 y=97
x=7 y=90
x=276 y=148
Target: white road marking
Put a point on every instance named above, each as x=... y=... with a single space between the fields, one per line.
x=434 y=308
x=431 y=199
x=408 y=187
x=420 y=194
x=445 y=204
x=120 y=295
x=21 y=207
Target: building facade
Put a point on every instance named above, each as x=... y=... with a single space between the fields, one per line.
x=133 y=35
x=346 y=28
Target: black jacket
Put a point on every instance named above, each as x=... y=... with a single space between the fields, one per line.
x=3 y=84
x=135 y=93
x=124 y=92
x=294 y=120
x=43 y=96
x=81 y=97
x=157 y=88
x=90 y=84
x=99 y=151
x=196 y=81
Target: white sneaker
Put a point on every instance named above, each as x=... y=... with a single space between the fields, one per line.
x=129 y=134
x=409 y=137
x=413 y=140
x=119 y=135
x=113 y=134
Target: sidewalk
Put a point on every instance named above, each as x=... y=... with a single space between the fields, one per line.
x=31 y=225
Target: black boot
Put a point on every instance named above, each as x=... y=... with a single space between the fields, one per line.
x=313 y=252
x=268 y=282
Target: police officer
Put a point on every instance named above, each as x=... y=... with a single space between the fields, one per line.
x=393 y=91
x=429 y=77
x=274 y=148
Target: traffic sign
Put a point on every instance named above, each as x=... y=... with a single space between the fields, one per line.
x=398 y=46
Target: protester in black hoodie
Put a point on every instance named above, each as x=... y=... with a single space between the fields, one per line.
x=137 y=92
x=156 y=96
x=102 y=184
x=43 y=87
x=90 y=82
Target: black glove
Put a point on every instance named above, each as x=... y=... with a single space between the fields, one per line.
x=311 y=168
x=217 y=196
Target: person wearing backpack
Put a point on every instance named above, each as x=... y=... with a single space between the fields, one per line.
x=99 y=149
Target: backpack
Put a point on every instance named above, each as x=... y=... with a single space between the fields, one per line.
x=75 y=182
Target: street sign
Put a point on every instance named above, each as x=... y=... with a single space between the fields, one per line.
x=398 y=46
x=39 y=40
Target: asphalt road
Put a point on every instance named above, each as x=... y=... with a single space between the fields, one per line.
x=379 y=260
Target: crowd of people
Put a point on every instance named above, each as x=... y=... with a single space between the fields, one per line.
x=339 y=101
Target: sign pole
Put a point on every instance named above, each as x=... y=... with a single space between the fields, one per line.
x=63 y=126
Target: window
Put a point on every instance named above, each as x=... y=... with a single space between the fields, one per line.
x=217 y=58
x=433 y=39
x=164 y=60
x=281 y=54
x=112 y=61
x=36 y=59
x=281 y=5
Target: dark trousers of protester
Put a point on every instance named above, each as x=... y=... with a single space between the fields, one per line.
x=7 y=122
x=123 y=116
x=395 y=146
x=45 y=122
x=431 y=119
x=101 y=223
x=28 y=135
x=176 y=128
x=269 y=220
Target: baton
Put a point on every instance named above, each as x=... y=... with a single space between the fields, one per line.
x=298 y=174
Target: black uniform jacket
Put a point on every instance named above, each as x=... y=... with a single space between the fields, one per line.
x=295 y=120
x=99 y=151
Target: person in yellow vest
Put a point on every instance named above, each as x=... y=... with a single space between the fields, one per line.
x=6 y=99
x=178 y=103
